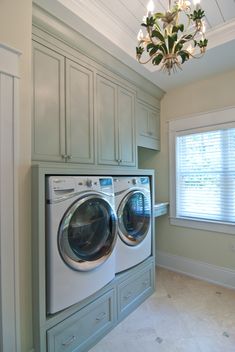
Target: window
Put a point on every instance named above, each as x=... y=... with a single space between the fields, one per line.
x=202 y=171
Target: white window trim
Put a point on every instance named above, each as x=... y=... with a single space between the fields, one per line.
x=202 y=122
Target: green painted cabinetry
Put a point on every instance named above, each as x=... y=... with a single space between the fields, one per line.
x=48 y=125
x=70 y=122
x=116 y=123
x=134 y=290
x=63 y=112
x=148 y=122
x=87 y=325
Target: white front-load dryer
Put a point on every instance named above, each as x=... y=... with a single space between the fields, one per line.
x=81 y=234
x=133 y=206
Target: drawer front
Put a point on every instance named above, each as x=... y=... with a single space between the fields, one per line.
x=133 y=291
x=77 y=332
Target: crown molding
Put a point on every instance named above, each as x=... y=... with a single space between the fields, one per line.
x=221 y=34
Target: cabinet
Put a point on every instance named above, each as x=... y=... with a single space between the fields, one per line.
x=148 y=125
x=79 y=331
x=116 y=123
x=63 y=111
x=134 y=290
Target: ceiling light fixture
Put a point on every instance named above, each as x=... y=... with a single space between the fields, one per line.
x=173 y=37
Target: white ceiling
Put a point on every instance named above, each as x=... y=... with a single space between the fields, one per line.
x=114 y=24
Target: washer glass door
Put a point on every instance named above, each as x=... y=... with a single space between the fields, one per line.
x=134 y=217
x=87 y=233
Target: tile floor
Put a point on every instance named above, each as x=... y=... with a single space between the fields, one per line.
x=183 y=315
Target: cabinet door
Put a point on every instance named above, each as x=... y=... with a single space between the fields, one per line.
x=154 y=124
x=142 y=113
x=79 y=113
x=148 y=126
x=107 y=121
x=48 y=135
x=126 y=122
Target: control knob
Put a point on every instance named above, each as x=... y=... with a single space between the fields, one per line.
x=89 y=183
x=134 y=181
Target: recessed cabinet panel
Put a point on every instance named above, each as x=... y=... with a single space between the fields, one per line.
x=107 y=121
x=79 y=113
x=48 y=104
x=133 y=291
x=126 y=115
x=148 y=125
x=154 y=124
x=143 y=114
x=79 y=331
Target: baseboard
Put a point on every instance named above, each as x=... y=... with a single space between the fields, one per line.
x=204 y=271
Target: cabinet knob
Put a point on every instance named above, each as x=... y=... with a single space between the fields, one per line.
x=64 y=156
x=128 y=295
x=69 y=157
x=100 y=316
x=69 y=341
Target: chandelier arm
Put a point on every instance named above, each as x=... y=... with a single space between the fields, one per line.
x=186 y=40
x=196 y=57
x=147 y=61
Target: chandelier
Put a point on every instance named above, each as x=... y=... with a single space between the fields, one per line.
x=173 y=37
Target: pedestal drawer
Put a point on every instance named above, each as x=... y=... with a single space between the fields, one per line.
x=79 y=331
x=134 y=290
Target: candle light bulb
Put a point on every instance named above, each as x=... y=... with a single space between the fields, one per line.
x=150 y=6
x=140 y=35
x=197 y=4
x=203 y=29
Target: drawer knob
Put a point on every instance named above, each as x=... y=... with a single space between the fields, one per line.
x=128 y=295
x=69 y=341
x=101 y=316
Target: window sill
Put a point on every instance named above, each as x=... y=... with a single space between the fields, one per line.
x=204 y=225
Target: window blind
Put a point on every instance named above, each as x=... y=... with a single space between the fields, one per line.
x=205 y=175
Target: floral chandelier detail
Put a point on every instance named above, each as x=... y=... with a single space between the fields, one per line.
x=173 y=37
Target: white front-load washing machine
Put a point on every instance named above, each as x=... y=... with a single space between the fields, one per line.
x=81 y=233
x=133 y=206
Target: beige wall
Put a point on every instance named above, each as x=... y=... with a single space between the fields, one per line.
x=15 y=31
x=202 y=96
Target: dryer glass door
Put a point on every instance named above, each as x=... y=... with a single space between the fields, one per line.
x=134 y=217
x=87 y=233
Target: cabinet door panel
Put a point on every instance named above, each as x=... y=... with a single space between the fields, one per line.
x=107 y=121
x=48 y=104
x=148 y=126
x=126 y=115
x=142 y=114
x=79 y=113
x=154 y=124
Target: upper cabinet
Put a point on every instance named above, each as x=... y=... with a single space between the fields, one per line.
x=148 y=125
x=79 y=113
x=48 y=134
x=62 y=108
x=85 y=113
x=116 y=123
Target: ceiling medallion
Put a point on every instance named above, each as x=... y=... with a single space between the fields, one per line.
x=173 y=37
